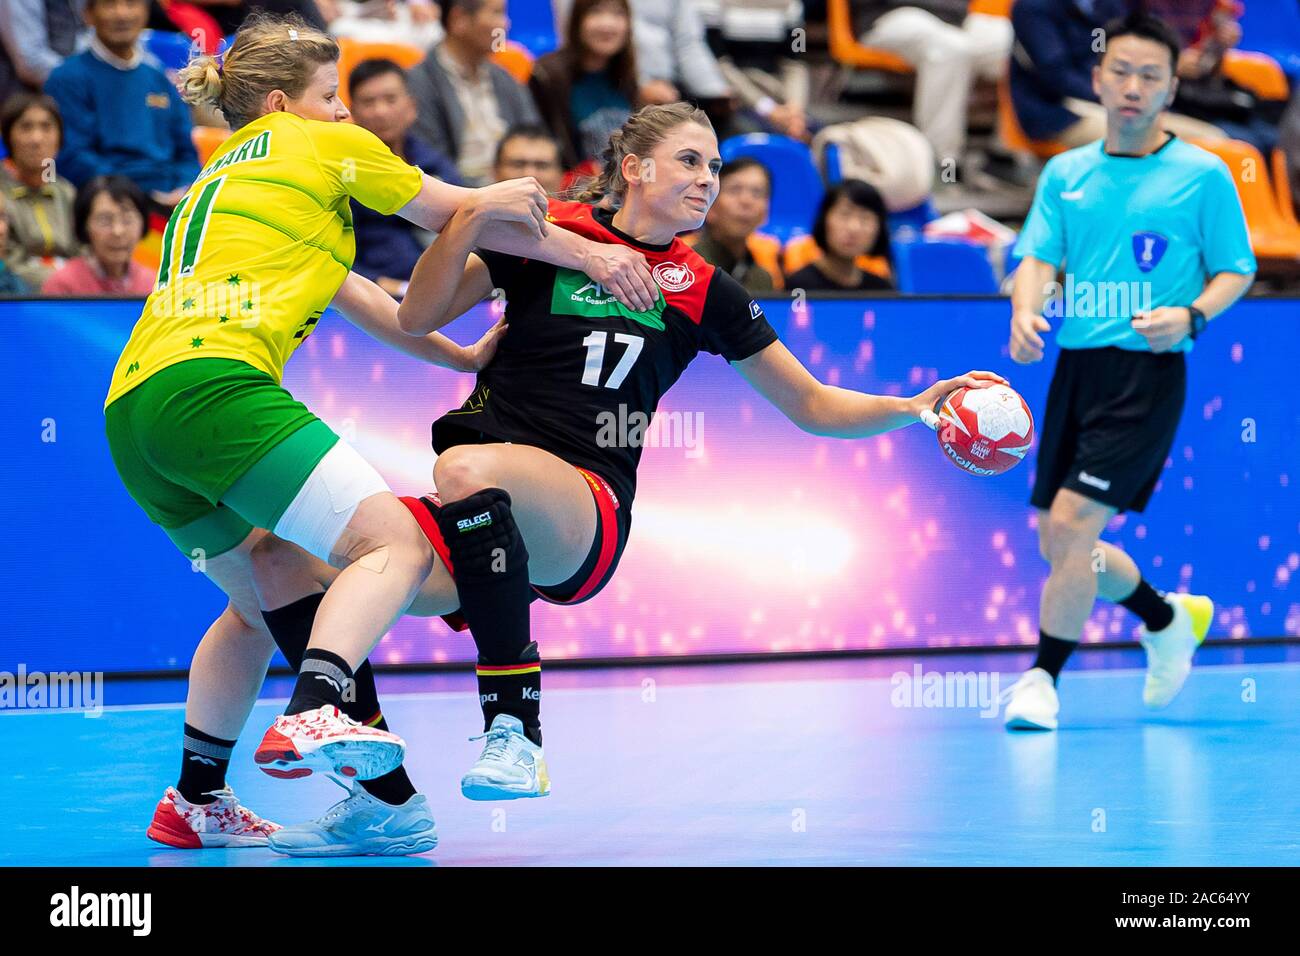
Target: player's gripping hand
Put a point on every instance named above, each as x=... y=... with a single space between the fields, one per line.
x=475 y=358
x=1163 y=328
x=624 y=273
x=1026 y=340
x=925 y=405
x=514 y=200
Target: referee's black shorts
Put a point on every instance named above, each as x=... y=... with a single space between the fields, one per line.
x=1110 y=424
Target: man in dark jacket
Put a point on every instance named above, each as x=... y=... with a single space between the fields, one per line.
x=388 y=246
x=1056 y=48
x=465 y=101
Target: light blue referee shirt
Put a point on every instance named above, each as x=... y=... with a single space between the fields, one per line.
x=1132 y=233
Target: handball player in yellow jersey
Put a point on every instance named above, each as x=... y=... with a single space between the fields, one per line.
x=219 y=455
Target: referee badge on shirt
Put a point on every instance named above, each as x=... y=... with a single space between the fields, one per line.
x=1148 y=249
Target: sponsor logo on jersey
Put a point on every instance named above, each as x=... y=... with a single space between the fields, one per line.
x=673 y=277
x=1148 y=249
x=1101 y=484
x=755 y=310
x=474 y=523
x=575 y=294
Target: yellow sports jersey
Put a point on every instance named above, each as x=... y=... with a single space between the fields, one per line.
x=260 y=245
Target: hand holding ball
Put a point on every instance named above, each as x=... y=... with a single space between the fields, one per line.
x=985 y=431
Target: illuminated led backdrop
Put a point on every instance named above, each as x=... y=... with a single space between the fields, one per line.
x=748 y=536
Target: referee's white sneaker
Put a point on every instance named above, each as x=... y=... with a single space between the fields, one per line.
x=1169 y=651
x=1032 y=703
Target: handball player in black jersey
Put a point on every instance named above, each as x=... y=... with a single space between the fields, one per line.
x=534 y=495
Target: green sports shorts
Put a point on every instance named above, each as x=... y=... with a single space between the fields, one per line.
x=211 y=448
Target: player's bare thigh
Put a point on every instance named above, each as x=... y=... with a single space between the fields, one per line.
x=551 y=501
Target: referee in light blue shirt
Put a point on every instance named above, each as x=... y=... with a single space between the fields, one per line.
x=1150 y=235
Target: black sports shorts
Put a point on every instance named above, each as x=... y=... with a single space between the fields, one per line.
x=1109 y=426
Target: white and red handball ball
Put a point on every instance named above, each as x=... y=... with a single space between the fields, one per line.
x=985 y=431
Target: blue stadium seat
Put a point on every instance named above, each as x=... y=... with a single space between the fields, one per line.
x=796 y=185
x=943 y=266
x=532 y=23
x=1273 y=27
x=172 y=50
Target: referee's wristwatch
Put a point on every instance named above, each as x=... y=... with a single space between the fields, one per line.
x=1199 y=321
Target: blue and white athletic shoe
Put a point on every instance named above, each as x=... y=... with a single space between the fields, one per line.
x=510 y=766
x=360 y=825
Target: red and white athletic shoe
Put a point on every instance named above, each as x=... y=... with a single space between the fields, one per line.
x=328 y=740
x=197 y=826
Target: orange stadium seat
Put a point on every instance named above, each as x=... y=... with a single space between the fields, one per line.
x=207 y=139
x=847 y=51
x=352 y=52
x=1009 y=131
x=1271 y=236
x=992 y=8
x=1257 y=72
x=802 y=250
x=515 y=59
x=1282 y=189
x=766 y=251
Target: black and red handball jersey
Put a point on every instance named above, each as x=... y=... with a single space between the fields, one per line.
x=575 y=365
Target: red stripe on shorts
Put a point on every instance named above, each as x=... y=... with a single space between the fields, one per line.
x=608 y=533
x=455 y=620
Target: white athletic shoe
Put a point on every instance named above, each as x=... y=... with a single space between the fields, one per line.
x=510 y=765
x=1032 y=703
x=361 y=825
x=1169 y=652
x=328 y=740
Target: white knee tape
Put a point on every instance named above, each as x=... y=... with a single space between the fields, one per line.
x=328 y=499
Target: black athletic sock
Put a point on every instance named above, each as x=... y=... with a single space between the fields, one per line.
x=324 y=678
x=491 y=571
x=203 y=765
x=290 y=626
x=1148 y=603
x=514 y=689
x=1053 y=653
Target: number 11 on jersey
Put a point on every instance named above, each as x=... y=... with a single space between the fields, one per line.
x=595 y=343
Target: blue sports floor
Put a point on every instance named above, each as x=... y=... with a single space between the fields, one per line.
x=785 y=763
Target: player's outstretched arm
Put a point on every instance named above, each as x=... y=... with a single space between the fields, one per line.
x=373 y=310
x=822 y=409
x=432 y=300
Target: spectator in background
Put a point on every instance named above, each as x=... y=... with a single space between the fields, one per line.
x=851 y=222
x=40 y=202
x=1052 y=64
x=388 y=246
x=466 y=101
x=529 y=150
x=673 y=59
x=10 y=282
x=753 y=40
x=35 y=37
x=111 y=215
x=121 y=114
x=1208 y=29
x=744 y=190
x=413 y=22
x=949 y=50
x=587 y=88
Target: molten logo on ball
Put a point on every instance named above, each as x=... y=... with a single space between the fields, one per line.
x=985 y=431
